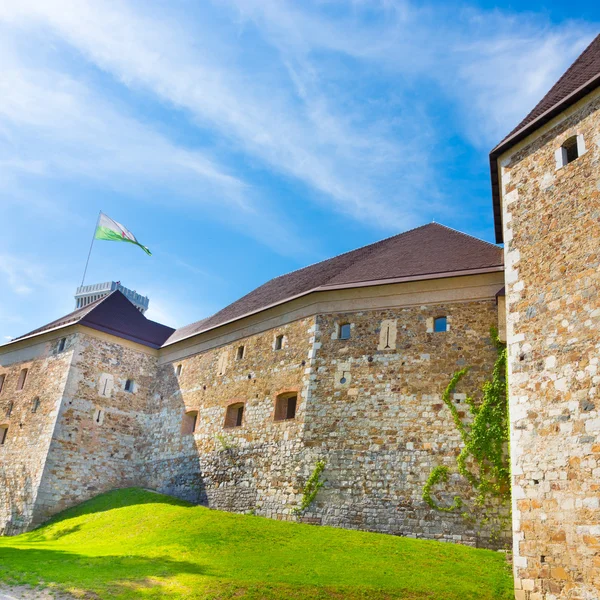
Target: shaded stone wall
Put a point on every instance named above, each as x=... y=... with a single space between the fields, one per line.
x=23 y=455
x=552 y=248
x=252 y=467
x=381 y=431
x=99 y=431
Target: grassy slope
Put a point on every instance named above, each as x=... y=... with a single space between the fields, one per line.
x=135 y=544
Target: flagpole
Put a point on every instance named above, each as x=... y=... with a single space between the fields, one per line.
x=87 y=262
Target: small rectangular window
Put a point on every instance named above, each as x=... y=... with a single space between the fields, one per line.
x=129 y=385
x=279 y=342
x=190 y=420
x=2 y=378
x=440 y=324
x=285 y=407
x=9 y=408
x=3 y=434
x=234 y=415
x=177 y=370
x=35 y=405
x=61 y=344
x=22 y=378
x=344 y=331
x=240 y=353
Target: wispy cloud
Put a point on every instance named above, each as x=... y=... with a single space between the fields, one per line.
x=20 y=275
x=298 y=133
x=57 y=128
x=495 y=64
x=492 y=64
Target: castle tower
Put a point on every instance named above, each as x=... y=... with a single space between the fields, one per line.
x=86 y=294
x=546 y=180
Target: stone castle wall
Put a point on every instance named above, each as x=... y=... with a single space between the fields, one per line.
x=30 y=426
x=258 y=471
x=370 y=406
x=376 y=414
x=381 y=431
x=99 y=433
x=552 y=248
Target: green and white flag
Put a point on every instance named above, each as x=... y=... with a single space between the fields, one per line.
x=112 y=231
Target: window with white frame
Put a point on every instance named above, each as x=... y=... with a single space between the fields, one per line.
x=571 y=149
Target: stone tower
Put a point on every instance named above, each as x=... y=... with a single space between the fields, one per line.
x=546 y=184
x=87 y=294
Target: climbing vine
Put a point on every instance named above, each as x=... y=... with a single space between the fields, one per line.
x=228 y=448
x=484 y=459
x=311 y=488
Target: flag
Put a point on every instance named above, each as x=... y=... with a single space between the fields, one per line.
x=112 y=231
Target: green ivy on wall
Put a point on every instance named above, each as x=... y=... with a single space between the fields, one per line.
x=311 y=488
x=484 y=459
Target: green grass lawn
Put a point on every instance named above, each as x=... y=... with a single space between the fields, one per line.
x=136 y=544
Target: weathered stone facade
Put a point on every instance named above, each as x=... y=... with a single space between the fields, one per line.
x=85 y=433
x=24 y=453
x=385 y=427
x=551 y=219
x=100 y=429
x=369 y=405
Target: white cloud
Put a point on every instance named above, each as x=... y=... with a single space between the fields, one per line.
x=63 y=129
x=301 y=135
x=55 y=127
x=296 y=112
x=21 y=275
x=497 y=65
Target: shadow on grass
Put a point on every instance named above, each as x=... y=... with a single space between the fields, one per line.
x=132 y=577
x=117 y=575
x=112 y=500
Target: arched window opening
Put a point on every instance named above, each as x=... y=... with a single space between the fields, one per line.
x=285 y=406
x=571 y=149
x=279 y=342
x=129 y=385
x=440 y=324
x=234 y=415
x=190 y=419
x=22 y=378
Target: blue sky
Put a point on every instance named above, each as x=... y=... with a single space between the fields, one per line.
x=242 y=139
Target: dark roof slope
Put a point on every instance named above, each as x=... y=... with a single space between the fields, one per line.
x=428 y=250
x=113 y=314
x=582 y=77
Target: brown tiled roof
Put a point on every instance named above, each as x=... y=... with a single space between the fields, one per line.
x=113 y=314
x=582 y=77
x=425 y=252
x=419 y=253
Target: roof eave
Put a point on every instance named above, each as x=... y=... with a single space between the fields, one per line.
x=327 y=288
x=521 y=134
x=118 y=334
x=39 y=333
